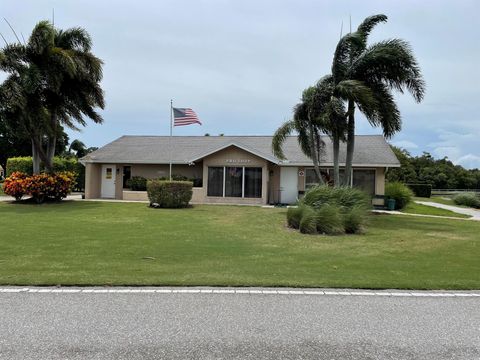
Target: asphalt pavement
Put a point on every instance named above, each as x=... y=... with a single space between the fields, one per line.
x=115 y=325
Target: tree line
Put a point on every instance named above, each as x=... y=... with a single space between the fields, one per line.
x=440 y=173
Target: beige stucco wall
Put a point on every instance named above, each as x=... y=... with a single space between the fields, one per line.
x=274 y=184
x=93 y=181
x=135 y=195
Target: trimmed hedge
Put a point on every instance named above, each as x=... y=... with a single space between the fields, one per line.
x=137 y=183
x=400 y=193
x=25 y=165
x=169 y=194
x=421 y=190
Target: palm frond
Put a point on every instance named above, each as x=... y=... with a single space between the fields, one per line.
x=75 y=38
x=360 y=93
x=280 y=136
x=341 y=57
x=390 y=62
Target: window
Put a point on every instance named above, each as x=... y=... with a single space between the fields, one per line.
x=127 y=174
x=253 y=182
x=364 y=180
x=108 y=173
x=215 y=181
x=327 y=175
x=235 y=182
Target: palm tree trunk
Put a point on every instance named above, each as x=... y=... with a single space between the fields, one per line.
x=35 y=159
x=336 y=166
x=37 y=144
x=350 y=143
x=314 y=154
x=52 y=142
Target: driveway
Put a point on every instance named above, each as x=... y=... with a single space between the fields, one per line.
x=475 y=214
x=225 y=324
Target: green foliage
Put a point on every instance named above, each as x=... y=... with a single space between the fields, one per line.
x=169 y=194
x=137 y=183
x=19 y=164
x=439 y=173
x=354 y=220
x=294 y=215
x=330 y=210
x=329 y=219
x=197 y=182
x=467 y=199
x=308 y=222
x=400 y=193
x=421 y=190
x=341 y=196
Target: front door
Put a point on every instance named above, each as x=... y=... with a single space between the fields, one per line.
x=288 y=184
x=108 y=181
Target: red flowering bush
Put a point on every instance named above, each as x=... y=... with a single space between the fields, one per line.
x=41 y=186
x=15 y=185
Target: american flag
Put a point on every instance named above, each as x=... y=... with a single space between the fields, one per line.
x=184 y=116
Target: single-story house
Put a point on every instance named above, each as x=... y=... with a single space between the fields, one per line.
x=229 y=169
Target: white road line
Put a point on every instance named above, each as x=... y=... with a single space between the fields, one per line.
x=318 y=292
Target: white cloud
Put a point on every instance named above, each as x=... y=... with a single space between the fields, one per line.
x=405 y=144
x=469 y=161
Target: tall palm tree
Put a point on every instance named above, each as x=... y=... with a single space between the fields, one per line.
x=377 y=70
x=59 y=69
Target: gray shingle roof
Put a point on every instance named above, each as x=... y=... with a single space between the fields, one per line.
x=370 y=150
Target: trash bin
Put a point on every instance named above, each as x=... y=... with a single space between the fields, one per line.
x=391 y=204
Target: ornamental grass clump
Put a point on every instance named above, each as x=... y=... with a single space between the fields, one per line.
x=401 y=193
x=467 y=199
x=332 y=211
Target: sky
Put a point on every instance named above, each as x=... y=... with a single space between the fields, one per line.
x=242 y=65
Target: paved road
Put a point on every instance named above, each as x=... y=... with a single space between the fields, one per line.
x=236 y=326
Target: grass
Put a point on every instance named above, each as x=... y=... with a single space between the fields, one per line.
x=437 y=199
x=414 y=208
x=99 y=243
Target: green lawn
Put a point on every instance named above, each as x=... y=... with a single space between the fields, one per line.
x=414 y=208
x=437 y=199
x=97 y=243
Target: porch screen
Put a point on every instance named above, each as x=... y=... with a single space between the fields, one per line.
x=215 y=181
x=233 y=181
x=365 y=180
x=253 y=182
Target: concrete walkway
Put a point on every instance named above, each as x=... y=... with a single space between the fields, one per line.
x=475 y=214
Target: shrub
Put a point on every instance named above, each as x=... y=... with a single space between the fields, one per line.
x=137 y=183
x=329 y=220
x=342 y=196
x=331 y=211
x=400 y=193
x=467 y=199
x=19 y=164
x=294 y=215
x=169 y=194
x=308 y=222
x=421 y=190
x=41 y=186
x=15 y=185
x=354 y=220
x=60 y=164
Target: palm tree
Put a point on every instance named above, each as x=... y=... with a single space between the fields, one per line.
x=58 y=68
x=374 y=71
x=307 y=123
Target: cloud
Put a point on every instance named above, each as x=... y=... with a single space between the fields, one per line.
x=405 y=144
x=469 y=161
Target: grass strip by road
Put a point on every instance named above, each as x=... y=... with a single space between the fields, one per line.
x=414 y=208
x=100 y=243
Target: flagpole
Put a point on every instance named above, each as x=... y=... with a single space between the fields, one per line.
x=170 y=139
